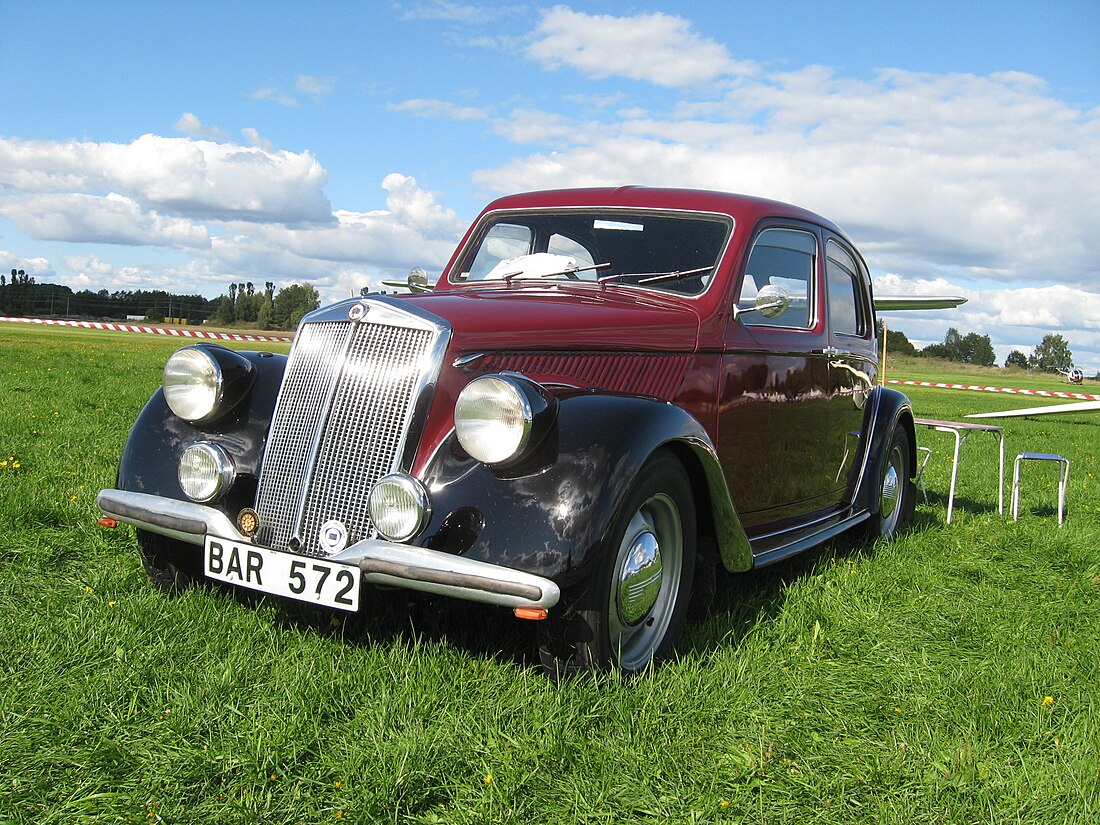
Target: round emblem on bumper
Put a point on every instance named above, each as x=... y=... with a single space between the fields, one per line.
x=333 y=536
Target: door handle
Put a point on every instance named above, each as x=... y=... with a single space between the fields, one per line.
x=832 y=352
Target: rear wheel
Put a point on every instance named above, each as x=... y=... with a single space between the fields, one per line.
x=896 y=490
x=632 y=612
x=173 y=566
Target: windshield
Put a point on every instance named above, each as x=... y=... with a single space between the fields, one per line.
x=656 y=251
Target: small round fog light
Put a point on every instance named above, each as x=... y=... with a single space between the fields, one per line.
x=206 y=471
x=398 y=506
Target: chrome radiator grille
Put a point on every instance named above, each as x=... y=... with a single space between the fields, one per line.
x=341 y=422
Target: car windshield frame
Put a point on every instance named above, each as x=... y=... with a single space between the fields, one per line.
x=689 y=272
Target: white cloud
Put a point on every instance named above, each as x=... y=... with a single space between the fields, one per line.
x=980 y=177
x=199 y=179
x=113 y=219
x=452 y=12
x=659 y=48
x=1016 y=318
x=274 y=94
x=189 y=124
x=254 y=138
x=314 y=87
x=428 y=107
x=37 y=268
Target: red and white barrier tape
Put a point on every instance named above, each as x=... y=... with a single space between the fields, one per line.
x=1080 y=396
x=179 y=333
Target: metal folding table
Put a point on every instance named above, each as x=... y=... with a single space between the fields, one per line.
x=963 y=430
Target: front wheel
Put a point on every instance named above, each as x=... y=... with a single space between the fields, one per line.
x=173 y=566
x=631 y=613
x=897 y=494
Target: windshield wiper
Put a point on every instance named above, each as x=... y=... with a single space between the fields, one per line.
x=656 y=277
x=567 y=271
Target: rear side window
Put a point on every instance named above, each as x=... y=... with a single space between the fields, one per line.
x=783 y=258
x=846 y=314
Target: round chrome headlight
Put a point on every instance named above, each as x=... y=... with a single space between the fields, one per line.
x=192 y=383
x=206 y=471
x=398 y=506
x=493 y=418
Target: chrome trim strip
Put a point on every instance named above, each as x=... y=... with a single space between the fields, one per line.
x=733 y=543
x=382 y=562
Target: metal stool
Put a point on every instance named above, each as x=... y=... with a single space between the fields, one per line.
x=927 y=451
x=1063 y=480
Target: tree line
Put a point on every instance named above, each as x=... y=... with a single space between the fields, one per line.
x=242 y=306
x=1052 y=354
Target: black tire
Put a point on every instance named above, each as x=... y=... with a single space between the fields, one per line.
x=632 y=611
x=173 y=566
x=895 y=490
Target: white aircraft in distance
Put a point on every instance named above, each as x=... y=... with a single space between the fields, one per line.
x=1074 y=374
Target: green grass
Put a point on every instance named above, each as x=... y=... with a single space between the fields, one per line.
x=951 y=676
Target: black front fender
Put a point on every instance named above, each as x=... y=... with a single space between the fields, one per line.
x=549 y=515
x=159 y=437
x=891 y=409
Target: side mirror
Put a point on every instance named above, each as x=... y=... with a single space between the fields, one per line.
x=771 y=302
x=418 y=280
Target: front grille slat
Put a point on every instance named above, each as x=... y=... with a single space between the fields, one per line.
x=346 y=400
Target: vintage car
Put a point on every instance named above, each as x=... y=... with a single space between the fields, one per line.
x=607 y=394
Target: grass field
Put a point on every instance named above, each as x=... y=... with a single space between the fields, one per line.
x=953 y=676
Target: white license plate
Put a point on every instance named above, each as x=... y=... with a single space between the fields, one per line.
x=317 y=581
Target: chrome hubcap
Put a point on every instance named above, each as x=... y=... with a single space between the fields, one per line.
x=889 y=491
x=640 y=579
x=646 y=582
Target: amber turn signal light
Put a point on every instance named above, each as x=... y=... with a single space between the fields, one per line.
x=535 y=614
x=107 y=521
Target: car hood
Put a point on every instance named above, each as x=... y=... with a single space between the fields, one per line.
x=563 y=317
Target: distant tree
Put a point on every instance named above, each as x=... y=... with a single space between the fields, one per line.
x=291 y=303
x=1016 y=359
x=971 y=348
x=896 y=342
x=977 y=349
x=1052 y=354
x=266 y=317
x=224 y=314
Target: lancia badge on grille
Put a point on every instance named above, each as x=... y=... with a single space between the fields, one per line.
x=357 y=312
x=333 y=536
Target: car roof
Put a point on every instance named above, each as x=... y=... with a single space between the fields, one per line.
x=744 y=209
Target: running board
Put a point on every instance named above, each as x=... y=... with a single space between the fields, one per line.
x=807 y=542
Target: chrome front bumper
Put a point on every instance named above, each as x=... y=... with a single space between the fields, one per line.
x=382 y=562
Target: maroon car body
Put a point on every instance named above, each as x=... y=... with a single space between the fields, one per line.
x=690 y=380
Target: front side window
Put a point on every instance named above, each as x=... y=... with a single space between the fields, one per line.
x=781 y=258
x=619 y=247
x=502 y=242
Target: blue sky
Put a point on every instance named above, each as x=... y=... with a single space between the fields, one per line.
x=187 y=146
